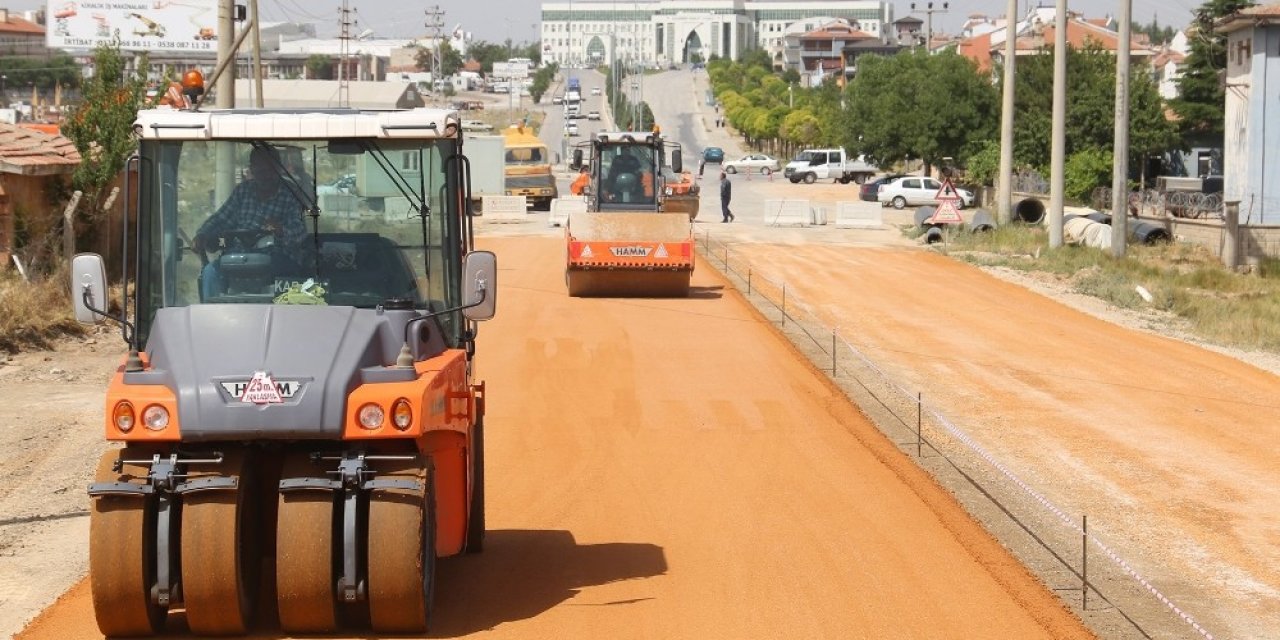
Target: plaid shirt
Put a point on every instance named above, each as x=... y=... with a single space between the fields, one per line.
x=280 y=213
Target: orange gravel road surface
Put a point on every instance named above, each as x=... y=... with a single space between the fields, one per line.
x=674 y=469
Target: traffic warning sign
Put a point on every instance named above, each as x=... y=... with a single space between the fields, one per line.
x=946 y=213
x=947 y=191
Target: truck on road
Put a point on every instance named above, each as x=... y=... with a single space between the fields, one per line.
x=812 y=165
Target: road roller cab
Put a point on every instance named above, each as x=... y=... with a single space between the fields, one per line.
x=627 y=243
x=297 y=410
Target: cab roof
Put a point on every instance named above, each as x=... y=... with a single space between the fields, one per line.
x=165 y=123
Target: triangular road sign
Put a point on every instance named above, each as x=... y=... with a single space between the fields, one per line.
x=946 y=213
x=947 y=191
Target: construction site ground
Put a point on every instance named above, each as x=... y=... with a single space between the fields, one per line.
x=686 y=469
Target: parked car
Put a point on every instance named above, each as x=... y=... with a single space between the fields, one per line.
x=915 y=190
x=870 y=190
x=595 y=91
x=751 y=163
x=557 y=100
x=476 y=125
x=713 y=154
x=593 y=115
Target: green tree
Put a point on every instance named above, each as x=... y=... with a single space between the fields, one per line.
x=542 y=81
x=1090 y=108
x=319 y=66
x=1201 y=101
x=915 y=105
x=101 y=126
x=450 y=59
x=487 y=53
x=984 y=164
x=1084 y=171
x=43 y=73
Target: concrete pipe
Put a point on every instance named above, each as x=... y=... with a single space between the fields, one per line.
x=1147 y=233
x=1099 y=217
x=981 y=222
x=1030 y=211
x=933 y=235
x=922 y=214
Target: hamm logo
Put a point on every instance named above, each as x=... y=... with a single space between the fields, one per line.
x=630 y=252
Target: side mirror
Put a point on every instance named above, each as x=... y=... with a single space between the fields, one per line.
x=677 y=162
x=480 y=285
x=88 y=274
x=577 y=160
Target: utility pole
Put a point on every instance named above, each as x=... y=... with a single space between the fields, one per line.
x=1004 y=194
x=258 y=98
x=928 y=12
x=225 y=98
x=345 y=22
x=1120 y=163
x=1057 y=162
x=435 y=22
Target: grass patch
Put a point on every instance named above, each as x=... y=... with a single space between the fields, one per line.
x=1186 y=280
x=34 y=314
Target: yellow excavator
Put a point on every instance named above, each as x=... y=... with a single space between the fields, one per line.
x=626 y=243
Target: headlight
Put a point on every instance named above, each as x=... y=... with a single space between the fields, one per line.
x=155 y=417
x=123 y=416
x=402 y=414
x=670 y=191
x=371 y=416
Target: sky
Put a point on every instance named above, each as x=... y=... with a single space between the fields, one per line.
x=497 y=20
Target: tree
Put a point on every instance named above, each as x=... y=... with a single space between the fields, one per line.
x=1091 y=94
x=1201 y=101
x=916 y=105
x=319 y=67
x=486 y=53
x=450 y=59
x=101 y=126
x=542 y=81
x=43 y=73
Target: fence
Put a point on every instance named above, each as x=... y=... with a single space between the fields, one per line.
x=904 y=413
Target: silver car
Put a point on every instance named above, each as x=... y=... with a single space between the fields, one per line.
x=916 y=190
x=751 y=163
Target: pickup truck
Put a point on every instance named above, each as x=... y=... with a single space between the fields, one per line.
x=812 y=165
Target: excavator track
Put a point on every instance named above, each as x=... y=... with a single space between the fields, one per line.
x=220 y=558
x=402 y=564
x=306 y=543
x=122 y=554
x=630 y=283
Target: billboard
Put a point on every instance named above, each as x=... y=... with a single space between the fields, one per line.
x=138 y=25
x=513 y=70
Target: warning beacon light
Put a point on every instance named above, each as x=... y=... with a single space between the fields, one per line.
x=193 y=85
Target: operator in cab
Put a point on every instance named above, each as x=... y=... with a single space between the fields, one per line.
x=260 y=203
x=630 y=181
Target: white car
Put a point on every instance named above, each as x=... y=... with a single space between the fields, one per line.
x=916 y=190
x=476 y=125
x=751 y=163
x=593 y=115
x=557 y=100
x=595 y=91
x=571 y=129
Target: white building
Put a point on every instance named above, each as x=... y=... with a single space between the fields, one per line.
x=661 y=32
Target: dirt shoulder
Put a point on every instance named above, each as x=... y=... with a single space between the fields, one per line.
x=51 y=405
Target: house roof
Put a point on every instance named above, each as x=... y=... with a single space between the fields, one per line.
x=836 y=31
x=908 y=20
x=27 y=151
x=1249 y=16
x=1040 y=34
x=19 y=25
x=1166 y=56
x=298 y=94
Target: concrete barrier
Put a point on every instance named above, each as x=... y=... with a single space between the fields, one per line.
x=818 y=216
x=853 y=215
x=562 y=207
x=505 y=208
x=780 y=212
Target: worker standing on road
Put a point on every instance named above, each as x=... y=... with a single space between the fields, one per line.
x=579 y=185
x=726 y=192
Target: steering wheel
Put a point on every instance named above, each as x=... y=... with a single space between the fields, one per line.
x=242 y=239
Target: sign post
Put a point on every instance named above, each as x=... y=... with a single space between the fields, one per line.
x=947 y=212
